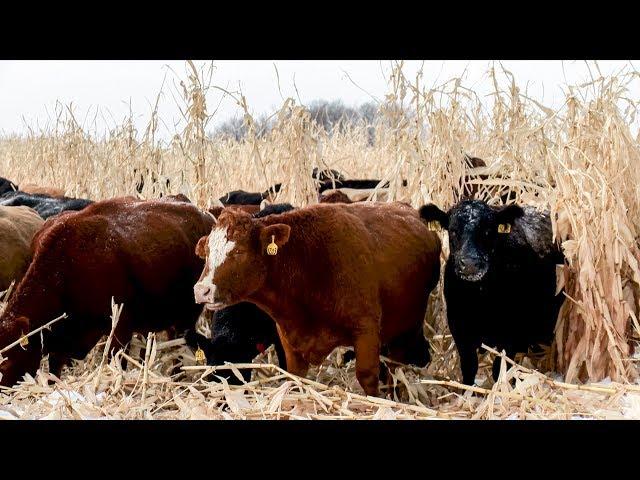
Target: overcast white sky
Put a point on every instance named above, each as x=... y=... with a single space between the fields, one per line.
x=29 y=89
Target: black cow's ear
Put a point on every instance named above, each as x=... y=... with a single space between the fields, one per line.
x=431 y=213
x=507 y=215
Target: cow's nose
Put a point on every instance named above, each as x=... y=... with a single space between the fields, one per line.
x=468 y=265
x=202 y=293
x=470 y=268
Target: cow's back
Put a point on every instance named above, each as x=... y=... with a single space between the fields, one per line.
x=391 y=234
x=380 y=253
x=405 y=260
x=141 y=253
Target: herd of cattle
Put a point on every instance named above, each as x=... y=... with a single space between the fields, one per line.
x=307 y=280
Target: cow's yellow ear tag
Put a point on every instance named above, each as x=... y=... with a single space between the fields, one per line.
x=24 y=341
x=272 y=248
x=433 y=225
x=201 y=358
x=504 y=228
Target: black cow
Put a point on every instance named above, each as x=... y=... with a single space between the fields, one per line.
x=46 y=205
x=241 y=331
x=238 y=334
x=242 y=197
x=140 y=178
x=7 y=186
x=357 y=184
x=500 y=279
x=326 y=175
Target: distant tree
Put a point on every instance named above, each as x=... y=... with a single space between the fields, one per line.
x=328 y=114
x=235 y=128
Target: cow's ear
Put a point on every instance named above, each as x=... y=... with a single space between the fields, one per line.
x=507 y=215
x=216 y=211
x=23 y=323
x=277 y=235
x=431 y=213
x=201 y=247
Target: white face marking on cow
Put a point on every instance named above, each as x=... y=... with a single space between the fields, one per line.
x=219 y=248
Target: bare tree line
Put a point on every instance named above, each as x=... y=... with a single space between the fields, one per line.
x=330 y=115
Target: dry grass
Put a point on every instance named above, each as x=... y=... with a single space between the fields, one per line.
x=579 y=161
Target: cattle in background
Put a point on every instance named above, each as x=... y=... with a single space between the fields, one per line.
x=241 y=331
x=7 y=186
x=255 y=210
x=242 y=197
x=147 y=174
x=175 y=198
x=139 y=252
x=476 y=170
x=334 y=196
x=46 y=206
x=273 y=209
x=361 y=195
x=354 y=184
x=18 y=225
x=335 y=184
x=250 y=209
x=33 y=189
x=500 y=279
x=326 y=175
x=330 y=275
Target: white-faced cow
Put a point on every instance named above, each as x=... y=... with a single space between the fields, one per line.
x=330 y=275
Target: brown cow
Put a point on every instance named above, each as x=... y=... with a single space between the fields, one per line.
x=179 y=197
x=32 y=189
x=139 y=252
x=352 y=275
x=362 y=194
x=335 y=196
x=18 y=225
x=250 y=209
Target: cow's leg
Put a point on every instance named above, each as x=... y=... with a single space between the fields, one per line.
x=367 y=347
x=71 y=343
x=467 y=343
x=296 y=364
x=468 y=362
x=282 y=357
x=56 y=362
x=410 y=348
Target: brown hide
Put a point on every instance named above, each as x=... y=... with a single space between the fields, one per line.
x=18 y=225
x=139 y=252
x=251 y=209
x=36 y=189
x=344 y=275
x=335 y=196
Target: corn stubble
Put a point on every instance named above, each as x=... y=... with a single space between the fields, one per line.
x=579 y=161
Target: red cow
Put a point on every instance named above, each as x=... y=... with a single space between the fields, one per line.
x=336 y=196
x=329 y=275
x=251 y=209
x=139 y=252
